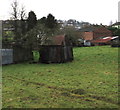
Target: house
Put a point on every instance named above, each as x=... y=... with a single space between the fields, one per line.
x=60 y=51
x=116 y=25
x=93 y=32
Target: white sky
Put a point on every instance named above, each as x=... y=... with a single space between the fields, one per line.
x=93 y=11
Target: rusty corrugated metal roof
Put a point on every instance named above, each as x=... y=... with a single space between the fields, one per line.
x=103 y=40
x=59 y=39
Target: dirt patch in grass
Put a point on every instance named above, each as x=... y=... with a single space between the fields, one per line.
x=78 y=91
x=27 y=82
x=65 y=94
x=102 y=98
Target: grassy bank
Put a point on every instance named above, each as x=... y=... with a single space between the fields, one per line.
x=90 y=81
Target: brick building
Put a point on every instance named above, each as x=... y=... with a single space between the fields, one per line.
x=90 y=33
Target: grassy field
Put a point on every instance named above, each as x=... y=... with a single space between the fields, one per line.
x=90 y=81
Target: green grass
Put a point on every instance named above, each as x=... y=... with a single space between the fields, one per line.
x=36 y=56
x=93 y=74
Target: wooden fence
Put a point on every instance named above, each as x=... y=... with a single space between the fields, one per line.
x=20 y=54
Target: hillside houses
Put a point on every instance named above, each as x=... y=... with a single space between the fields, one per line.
x=72 y=22
x=82 y=30
x=90 y=33
x=116 y=25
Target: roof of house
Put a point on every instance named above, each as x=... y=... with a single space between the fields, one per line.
x=88 y=29
x=101 y=29
x=117 y=23
x=59 y=39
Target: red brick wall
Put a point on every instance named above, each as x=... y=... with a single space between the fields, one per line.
x=98 y=32
x=88 y=35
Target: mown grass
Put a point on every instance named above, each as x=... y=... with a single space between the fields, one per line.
x=89 y=81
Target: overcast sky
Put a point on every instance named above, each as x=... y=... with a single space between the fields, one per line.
x=93 y=11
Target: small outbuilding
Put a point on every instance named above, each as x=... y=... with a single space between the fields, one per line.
x=60 y=51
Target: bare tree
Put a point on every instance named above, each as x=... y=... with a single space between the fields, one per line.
x=15 y=16
x=22 y=13
x=23 y=20
x=18 y=17
x=15 y=13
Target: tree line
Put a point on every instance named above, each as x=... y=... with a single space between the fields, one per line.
x=32 y=32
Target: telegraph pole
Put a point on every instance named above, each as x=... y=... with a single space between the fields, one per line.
x=119 y=11
x=1 y=33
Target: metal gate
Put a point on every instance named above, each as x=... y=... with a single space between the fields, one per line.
x=7 y=56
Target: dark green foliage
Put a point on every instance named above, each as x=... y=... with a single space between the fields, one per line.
x=39 y=35
x=32 y=20
x=115 y=31
x=17 y=30
x=36 y=56
x=78 y=91
x=30 y=39
x=51 y=22
x=42 y=20
x=40 y=32
x=72 y=34
x=23 y=26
